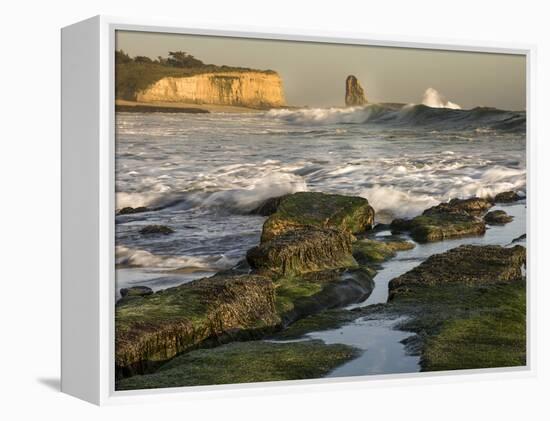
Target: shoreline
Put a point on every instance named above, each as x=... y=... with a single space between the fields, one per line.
x=179 y=107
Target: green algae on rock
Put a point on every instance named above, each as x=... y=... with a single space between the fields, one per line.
x=135 y=291
x=507 y=197
x=245 y=362
x=467 y=264
x=467 y=307
x=311 y=293
x=472 y=205
x=352 y=214
x=497 y=217
x=302 y=250
x=457 y=218
x=157 y=327
x=368 y=251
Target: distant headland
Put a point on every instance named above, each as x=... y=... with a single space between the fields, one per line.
x=184 y=83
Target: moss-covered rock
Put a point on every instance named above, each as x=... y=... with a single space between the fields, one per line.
x=268 y=207
x=507 y=197
x=157 y=327
x=473 y=205
x=469 y=265
x=440 y=226
x=368 y=251
x=497 y=217
x=493 y=336
x=352 y=214
x=135 y=291
x=302 y=250
x=245 y=362
x=457 y=218
x=297 y=297
x=467 y=307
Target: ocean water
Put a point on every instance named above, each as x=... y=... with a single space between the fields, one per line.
x=203 y=173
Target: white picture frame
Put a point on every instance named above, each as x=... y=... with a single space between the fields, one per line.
x=88 y=209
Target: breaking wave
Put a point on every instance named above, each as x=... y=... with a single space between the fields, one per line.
x=434 y=99
x=127 y=256
x=438 y=116
x=240 y=196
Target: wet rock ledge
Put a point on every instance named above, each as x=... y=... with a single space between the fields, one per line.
x=303 y=265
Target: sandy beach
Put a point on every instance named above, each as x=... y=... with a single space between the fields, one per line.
x=174 y=107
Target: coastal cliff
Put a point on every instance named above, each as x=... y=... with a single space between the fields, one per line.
x=249 y=89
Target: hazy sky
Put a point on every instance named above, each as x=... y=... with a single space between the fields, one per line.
x=314 y=73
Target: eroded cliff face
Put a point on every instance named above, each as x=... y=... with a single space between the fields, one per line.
x=248 y=89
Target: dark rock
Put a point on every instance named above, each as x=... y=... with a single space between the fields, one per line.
x=355 y=95
x=129 y=210
x=456 y=218
x=352 y=214
x=137 y=291
x=302 y=250
x=438 y=226
x=269 y=207
x=507 y=197
x=156 y=229
x=314 y=292
x=469 y=265
x=473 y=206
x=497 y=217
x=159 y=326
x=520 y=238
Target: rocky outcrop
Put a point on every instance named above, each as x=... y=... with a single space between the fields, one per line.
x=241 y=88
x=137 y=291
x=154 y=328
x=302 y=250
x=498 y=217
x=246 y=362
x=457 y=218
x=368 y=252
x=156 y=229
x=472 y=206
x=468 y=265
x=507 y=197
x=269 y=207
x=352 y=214
x=355 y=95
x=129 y=210
x=313 y=292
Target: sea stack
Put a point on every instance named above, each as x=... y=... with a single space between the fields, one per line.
x=355 y=95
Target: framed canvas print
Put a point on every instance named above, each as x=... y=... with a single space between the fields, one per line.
x=246 y=209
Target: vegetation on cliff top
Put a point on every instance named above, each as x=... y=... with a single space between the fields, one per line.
x=138 y=73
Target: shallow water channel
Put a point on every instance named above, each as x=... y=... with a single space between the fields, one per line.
x=381 y=342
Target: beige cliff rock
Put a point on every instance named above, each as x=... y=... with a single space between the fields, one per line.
x=248 y=89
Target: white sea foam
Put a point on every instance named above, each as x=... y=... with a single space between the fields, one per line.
x=248 y=198
x=432 y=98
x=141 y=258
x=396 y=203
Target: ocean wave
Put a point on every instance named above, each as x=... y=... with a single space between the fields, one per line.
x=126 y=256
x=254 y=190
x=390 y=202
x=445 y=117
